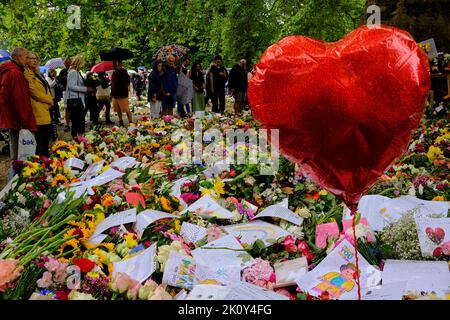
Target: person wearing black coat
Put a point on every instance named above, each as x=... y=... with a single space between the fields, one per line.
x=156 y=90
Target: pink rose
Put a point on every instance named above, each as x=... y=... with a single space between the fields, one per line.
x=291 y=248
x=121 y=282
x=288 y=240
x=45 y=281
x=47 y=203
x=133 y=291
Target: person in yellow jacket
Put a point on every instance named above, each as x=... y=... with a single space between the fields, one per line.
x=337 y=283
x=41 y=101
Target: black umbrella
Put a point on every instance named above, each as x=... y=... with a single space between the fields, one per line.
x=116 y=54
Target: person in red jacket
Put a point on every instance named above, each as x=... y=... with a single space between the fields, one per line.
x=16 y=112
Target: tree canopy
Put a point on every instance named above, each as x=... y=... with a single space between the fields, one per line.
x=233 y=28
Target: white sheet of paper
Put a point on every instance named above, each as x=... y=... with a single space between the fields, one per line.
x=75 y=163
x=139 y=267
x=225 y=275
x=192 y=233
x=432 y=274
x=182 y=295
x=208 y=292
x=256 y=230
x=247 y=291
x=207 y=208
x=92 y=170
x=97 y=239
x=368 y=207
x=116 y=219
x=280 y=212
x=123 y=163
x=216 y=169
x=389 y=291
x=284 y=203
x=222 y=257
x=104 y=178
x=10 y=185
x=327 y=275
x=427 y=245
x=179 y=271
x=288 y=271
x=176 y=188
x=147 y=217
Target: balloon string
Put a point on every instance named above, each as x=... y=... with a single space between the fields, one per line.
x=353 y=212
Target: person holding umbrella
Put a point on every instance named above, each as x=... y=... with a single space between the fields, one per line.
x=120 y=82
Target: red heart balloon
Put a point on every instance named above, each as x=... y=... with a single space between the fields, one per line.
x=345 y=110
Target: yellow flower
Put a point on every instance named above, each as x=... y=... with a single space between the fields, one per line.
x=58 y=180
x=68 y=246
x=323 y=192
x=131 y=240
x=165 y=203
x=206 y=191
x=434 y=153
x=32 y=168
x=219 y=187
x=438 y=198
x=443 y=137
x=177 y=225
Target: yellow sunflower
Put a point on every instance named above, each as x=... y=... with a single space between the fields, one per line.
x=59 y=179
x=165 y=203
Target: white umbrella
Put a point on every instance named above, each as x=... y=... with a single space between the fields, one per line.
x=131 y=71
x=55 y=63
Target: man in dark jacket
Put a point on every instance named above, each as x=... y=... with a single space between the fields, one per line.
x=218 y=77
x=238 y=84
x=16 y=112
x=156 y=90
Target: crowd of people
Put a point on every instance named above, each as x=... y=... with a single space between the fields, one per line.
x=31 y=100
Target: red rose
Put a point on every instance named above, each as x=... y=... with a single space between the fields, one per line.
x=84 y=264
x=147 y=244
x=291 y=248
x=168 y=147
x=437 y=252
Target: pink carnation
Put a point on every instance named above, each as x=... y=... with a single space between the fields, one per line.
x=260 y=273
x=189 y=198
x=214 y=233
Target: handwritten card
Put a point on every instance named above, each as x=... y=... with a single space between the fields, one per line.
x=282 y=213
x=225 y=275
x=222 y=252
x=192 y=233
x=74 y=163
x=335 y=274
x=123 y=163
x=117 y=219
x=179 y=271
x=147 y=217
x=206 y=207
x=247 y=291
x=433 y=233
x=139 y=267
x=288 y=271
x=256 y=230
x=208 y=292
x=92 y=170
x=368 y=208
x=388 y=291
x=329 y=230
x=419 y=275
x=134 y=198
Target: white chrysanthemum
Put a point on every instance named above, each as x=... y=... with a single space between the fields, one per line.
x=296 y=231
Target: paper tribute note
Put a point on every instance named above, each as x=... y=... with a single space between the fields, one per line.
x=281 y=212
x=123 y=163
x=92 y=170
x=139 y=267
x=147 y=217
x=247 y=291
x=388 y=291
x=179 y=271
x=288 y=271
x=74 y=163
x=207 y=208
x=225 y=255
x=419 y=275
x=256 y=230
x=192 y=233
x=434 y=233
x=225 y=275
x=208 y=292
x=117 y=219
x=335 y=274
x=368 y=207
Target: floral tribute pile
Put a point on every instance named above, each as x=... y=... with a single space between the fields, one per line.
x=49 y=232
